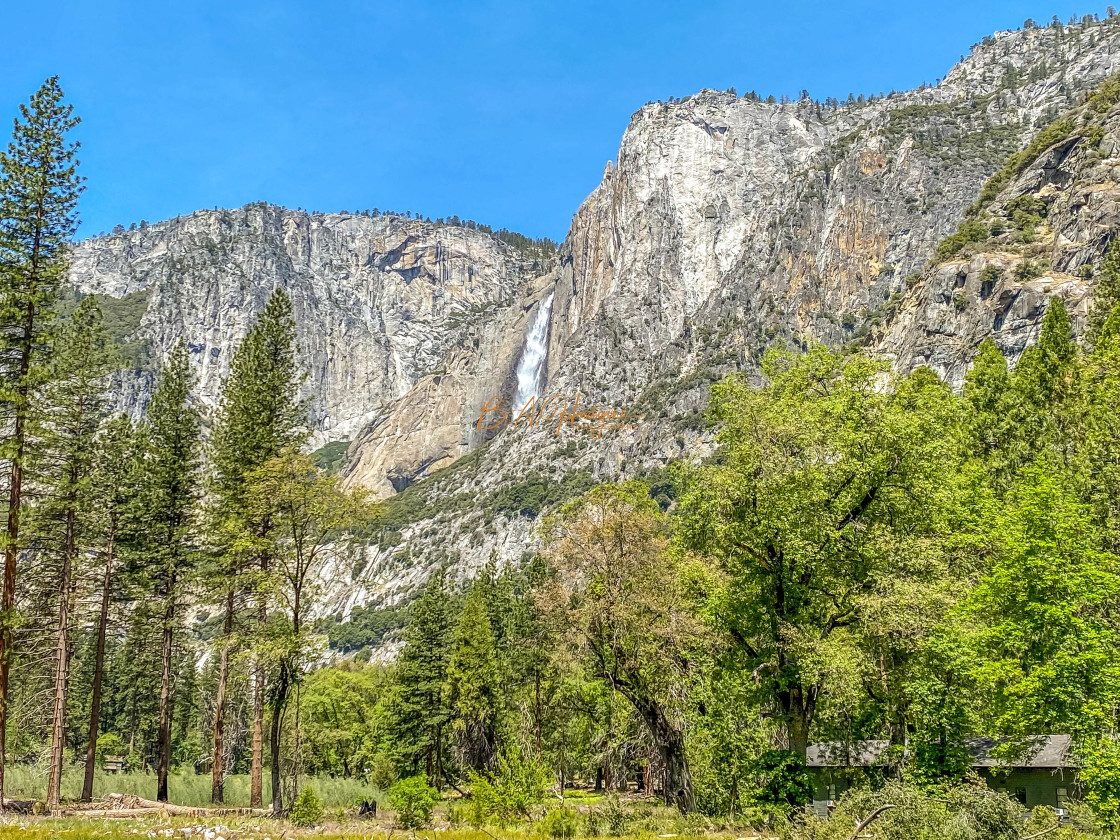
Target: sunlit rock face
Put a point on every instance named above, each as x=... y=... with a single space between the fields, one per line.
x=380 y=303
x=724 y=227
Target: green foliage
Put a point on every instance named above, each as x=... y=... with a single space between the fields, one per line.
x=966 y=812
x=366 y=627
x=1106 y=295
x=506 y=796
x=609 y=819
x=413 y=800
x=472 y=689
x=307 y=810
x=1100 y=778
x=969 y=231
x=331 y=457
x=819 y=454
x=344 y=717
x=260 y=415
x=39 y=189
x=535 y=492
x=419 y=711
x=780 y=780
x=1050 y=659
x=558 y=823
x=1028 y=270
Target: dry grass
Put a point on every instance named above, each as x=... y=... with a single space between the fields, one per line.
x=22 y=782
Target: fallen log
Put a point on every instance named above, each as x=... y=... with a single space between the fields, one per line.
x=108 y=813
x=121 y=805
x=19 y=806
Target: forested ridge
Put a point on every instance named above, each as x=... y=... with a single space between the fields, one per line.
x=868 y=555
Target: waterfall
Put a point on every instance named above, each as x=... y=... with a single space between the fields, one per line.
x=533 y=357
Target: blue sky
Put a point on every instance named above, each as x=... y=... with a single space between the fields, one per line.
x=503 y=112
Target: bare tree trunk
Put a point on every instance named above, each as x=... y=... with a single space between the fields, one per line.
x=11 y=549
x=163 y=757
x=217 y=770
x=256 y=763
x=538 y=712
x=98 y=671
x=274 y=753
x=62 y=667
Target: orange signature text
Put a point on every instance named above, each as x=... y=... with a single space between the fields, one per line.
x=590 y=418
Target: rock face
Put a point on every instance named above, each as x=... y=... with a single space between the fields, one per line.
x=727 y=225
x=1044 y=234
x=383 y=305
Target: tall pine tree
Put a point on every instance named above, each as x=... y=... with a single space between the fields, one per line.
x=39 y=188
x=419 y=712
x=112 y=485
x=260 y=416
x=473 y=688
x=165 y=504
x=69 y=414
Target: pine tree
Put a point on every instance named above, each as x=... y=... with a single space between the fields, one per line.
x=39 y=189
x=259 y=417
x=419 y=712
x=987 y=393
x=473 y=687
x=1043 y=382
x=112 y=485
x=1106 y=294
x=164 y=513
x=69 y=413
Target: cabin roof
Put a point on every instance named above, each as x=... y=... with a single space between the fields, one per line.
x=1042 y=751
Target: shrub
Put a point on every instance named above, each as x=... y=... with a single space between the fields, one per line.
x=780 y=780
x=413 y=800
x=1027 y=270
x=307 y=810
x=969 y=231
x=559 y=824
x=508 y=795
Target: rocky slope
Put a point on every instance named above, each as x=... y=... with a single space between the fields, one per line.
x=726 y=225
x=385 y=306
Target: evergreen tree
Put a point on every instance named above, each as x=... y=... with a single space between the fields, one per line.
x=39 y=189
x=473 y=687
x=112 y=486
x=260 y=416
x=1106 y=295
x=987 y=390
x=70 y=411
x=1044 y=386
x=419 y=712
x=164 y=514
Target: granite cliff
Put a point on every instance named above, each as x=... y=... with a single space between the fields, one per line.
x=726 y=225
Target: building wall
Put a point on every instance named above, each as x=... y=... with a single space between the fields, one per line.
x=1032 y=787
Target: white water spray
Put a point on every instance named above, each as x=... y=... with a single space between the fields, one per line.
x=532 y=358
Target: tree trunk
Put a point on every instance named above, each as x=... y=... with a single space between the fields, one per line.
x=798 y=705
x=217 y=769
x=62 y=666
x=98 y=671
x=678 y=777
x=669 y=741
x=274 y=754
x=538 y=712
x=11 y=542
x=163 y=757
x=256 y=762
